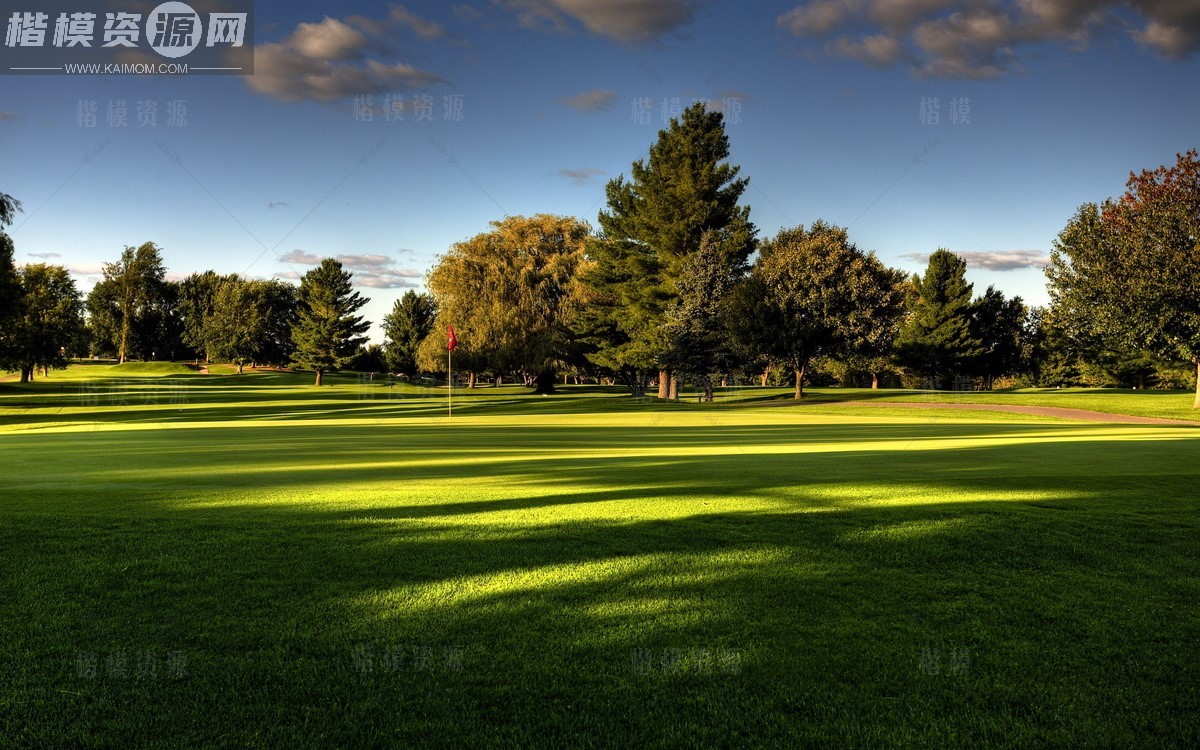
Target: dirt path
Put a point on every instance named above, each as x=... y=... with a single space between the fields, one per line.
x=1037 y=411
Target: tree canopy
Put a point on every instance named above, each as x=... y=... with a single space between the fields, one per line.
x=936 y=340
x=1129 y=270
x=812 y=292
x=511 y=294
x=654 y=222
x=327 y=333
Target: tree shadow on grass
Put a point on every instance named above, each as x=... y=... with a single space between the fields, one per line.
x=889 y=595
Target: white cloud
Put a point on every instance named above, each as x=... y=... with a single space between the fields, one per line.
x=370 y=270
x=338 y=59
x=85 y=269
x=1006 y=260
x=302 y=258
x=44 y=256
x=599 y=100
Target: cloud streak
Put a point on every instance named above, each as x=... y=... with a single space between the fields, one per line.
x=1006 y=260
x=580 y=177
x=625 y=21
x=370 y=270
x=598 y=100
x=977 y=39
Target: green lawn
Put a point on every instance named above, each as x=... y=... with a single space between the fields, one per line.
x=240 y=561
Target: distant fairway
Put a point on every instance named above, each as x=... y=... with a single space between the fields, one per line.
x=248 y=560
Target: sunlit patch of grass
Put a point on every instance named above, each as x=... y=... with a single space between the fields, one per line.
x=362 y=570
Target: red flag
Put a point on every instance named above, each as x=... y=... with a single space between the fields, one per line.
x=451 y=342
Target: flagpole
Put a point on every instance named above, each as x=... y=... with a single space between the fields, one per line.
x=451 y=342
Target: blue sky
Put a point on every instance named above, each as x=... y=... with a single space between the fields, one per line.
x=266 y=174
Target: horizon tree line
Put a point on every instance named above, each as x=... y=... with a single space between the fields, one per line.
x=675 y=285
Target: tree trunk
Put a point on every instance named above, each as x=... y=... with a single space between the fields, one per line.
x=766 y=374
x=499 y=380
x=239 y=372
x=124 y=338
x=800 y=383
x=471 y=379
x=26 y=374
x=319 y=374
x=1196 y=403
x=544 y=383
x=673 y=391
x=566 y=377
x=664 y=384
x=708 y=391
x=874 y=381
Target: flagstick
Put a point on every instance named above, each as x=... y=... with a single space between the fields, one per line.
x=449 y=386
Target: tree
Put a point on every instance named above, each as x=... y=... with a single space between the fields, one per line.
x=369 y=359
x=327 y=333
x=409 y=322
x=1000 y=325
x=10 y=300
x=51 y=324
x=237 y=323
x=936 y=340
x=1131 y=266
x=511 y=294
x=10 y=283
x=654 y=222
x=697 y=337
x=871 y=345
x=128 y=306
x=196 y=294
x=812 y=293
x=281 y=307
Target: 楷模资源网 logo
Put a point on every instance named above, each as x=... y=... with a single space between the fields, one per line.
x=213 y=37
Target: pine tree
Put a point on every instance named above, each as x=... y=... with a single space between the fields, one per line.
x=936 y=341
x=653 y=224
x=410 y=321
x=327 y=333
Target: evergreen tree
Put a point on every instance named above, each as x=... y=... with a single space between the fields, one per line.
x=409 y=322
x=936 y=340
x=1000 y=325
x=327 y=333
x=654 y=222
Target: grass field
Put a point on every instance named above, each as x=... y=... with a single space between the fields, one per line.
x=249 y=561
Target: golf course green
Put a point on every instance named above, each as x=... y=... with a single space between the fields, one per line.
x=251 y=561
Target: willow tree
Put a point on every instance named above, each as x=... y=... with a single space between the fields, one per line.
x=655 y=221
x=512 y=294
